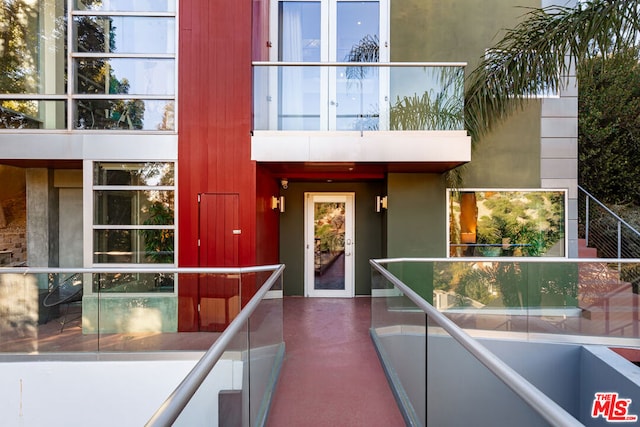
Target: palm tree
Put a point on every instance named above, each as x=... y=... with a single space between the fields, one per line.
x=534 y=56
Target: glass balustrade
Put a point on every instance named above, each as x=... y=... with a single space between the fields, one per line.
x=128 y=309
x=442 y=376
x=237 y=387
x=594 y=301
x=235 y=318
x=358 y=96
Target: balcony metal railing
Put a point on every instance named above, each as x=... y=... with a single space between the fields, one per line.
x=431 y=359
x=84 y=311
x=261 y=353
x=604 y=230
x=349 y=96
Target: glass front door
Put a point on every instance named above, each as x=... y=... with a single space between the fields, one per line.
x=329 y=244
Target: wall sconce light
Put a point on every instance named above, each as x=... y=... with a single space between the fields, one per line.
x=381 y=203
x=277 y=203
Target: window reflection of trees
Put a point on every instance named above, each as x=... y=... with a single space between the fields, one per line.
x=19 y=62
x=96 y=76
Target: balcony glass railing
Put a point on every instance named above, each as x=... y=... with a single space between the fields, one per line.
x=595 y=302
x=440 y=374
x=46 y=310
x=233 y=382
x=358 y=96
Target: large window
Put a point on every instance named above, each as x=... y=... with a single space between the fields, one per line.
x=122 y=74
x=133 y=221
x=342 y=98
x=507 y=223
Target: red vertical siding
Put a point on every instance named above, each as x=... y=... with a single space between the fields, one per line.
x=214 y=112
x=215 y=118
x=267 y=219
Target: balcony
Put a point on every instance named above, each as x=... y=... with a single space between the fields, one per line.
x=407 y=115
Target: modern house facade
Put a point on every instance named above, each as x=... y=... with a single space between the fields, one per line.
x=196 y=133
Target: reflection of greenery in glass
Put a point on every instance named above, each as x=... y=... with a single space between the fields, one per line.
x=147 y=174
x=153 y=206
x=133 y=282
x=440 y=109
x=95 y=76
x=19 y=66
x=18 y=46
x=508 y=284
x=158 y=244
x=514 y=223
x=329 y=227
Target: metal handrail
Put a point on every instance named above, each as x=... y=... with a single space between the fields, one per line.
x=169 y=411
x=357 y=64
x=158 y=269
x=609 y=211
x=537 y=400
x=616 y=217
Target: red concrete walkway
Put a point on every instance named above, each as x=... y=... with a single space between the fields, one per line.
x=331 y=374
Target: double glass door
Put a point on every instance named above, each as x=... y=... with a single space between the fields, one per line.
x=317 y=97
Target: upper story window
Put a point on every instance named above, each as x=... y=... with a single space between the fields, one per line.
x=342 y=98
x=122 y=69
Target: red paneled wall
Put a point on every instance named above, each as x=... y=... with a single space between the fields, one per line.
x=214 y=116
x=214 y=145
x=267 y=219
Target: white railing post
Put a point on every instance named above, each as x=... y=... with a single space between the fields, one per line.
x=586 y=209
x=619 y=239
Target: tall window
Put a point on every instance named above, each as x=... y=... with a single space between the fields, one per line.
x=319 y=98
x=134 y=207
x=122 y=74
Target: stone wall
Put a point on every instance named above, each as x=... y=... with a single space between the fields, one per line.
x=13 y=236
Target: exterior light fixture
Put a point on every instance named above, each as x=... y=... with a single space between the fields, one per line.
x=381 y=203
x=277 y=203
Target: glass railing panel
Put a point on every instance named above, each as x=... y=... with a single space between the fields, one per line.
x=426 y=98
x=561 y=297
x=138 y=312
x=221 y=398
x=483 y=295
x=358 y=97
x=32 y=114
x=41 y=313
x=237 y=387
x=462 y=391
x=399 y=331
x=437 y=374
x=133 y=310
x=609 y=299
x=266 y=351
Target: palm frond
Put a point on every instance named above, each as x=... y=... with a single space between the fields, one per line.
x=537 y=55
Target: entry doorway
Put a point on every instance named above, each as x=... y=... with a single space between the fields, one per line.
x=329 y=244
